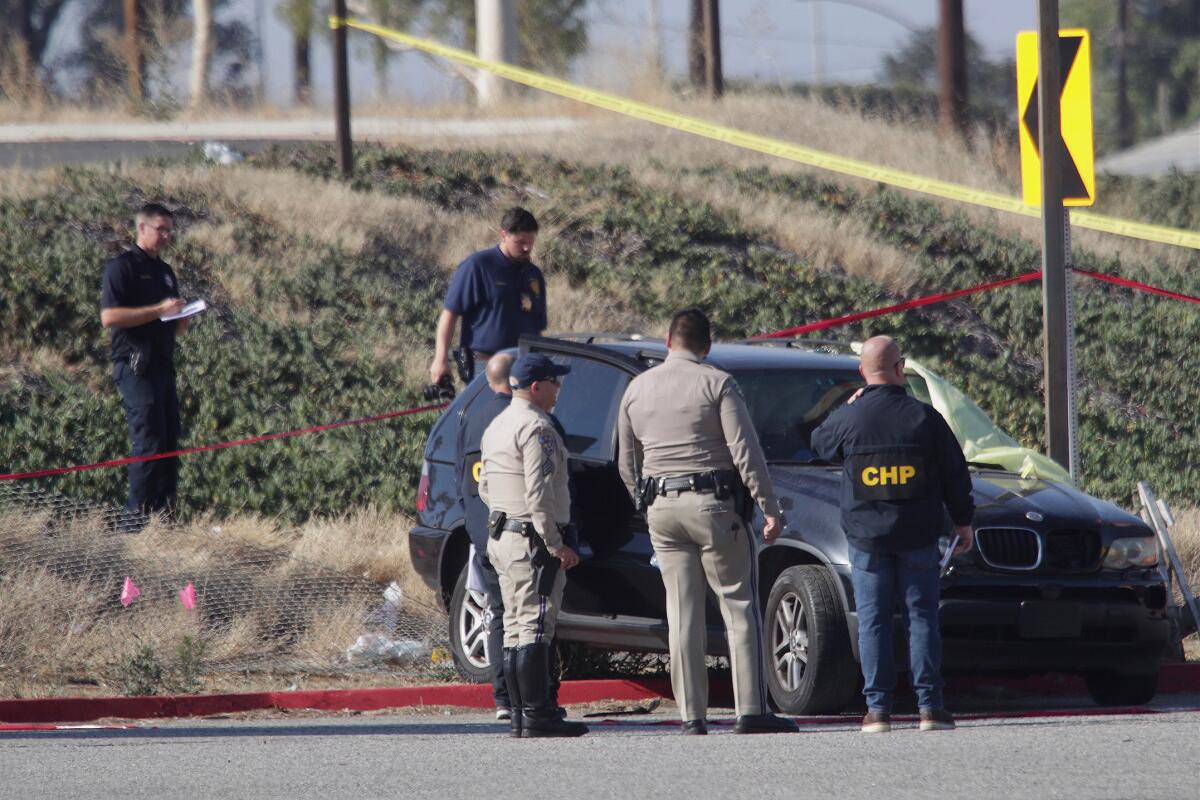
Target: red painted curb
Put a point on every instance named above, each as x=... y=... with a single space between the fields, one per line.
x=1175 y=679
x=82 y=709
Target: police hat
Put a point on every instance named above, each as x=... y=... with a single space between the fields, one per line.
x=534 y=367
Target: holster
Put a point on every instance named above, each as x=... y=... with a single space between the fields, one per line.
x=139 y=361
x=496 y=520
x=647 y=491
x=545 y=566
x=728 y=484
x=464 y=360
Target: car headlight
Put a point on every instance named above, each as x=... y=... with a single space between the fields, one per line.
x=1133 y=551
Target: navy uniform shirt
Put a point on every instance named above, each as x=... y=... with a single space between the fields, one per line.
x=132 y=280
x=902 y=470
x=498 y=300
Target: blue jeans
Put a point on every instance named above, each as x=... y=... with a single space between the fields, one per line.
x=880 y=580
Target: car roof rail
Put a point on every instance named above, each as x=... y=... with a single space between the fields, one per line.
x=591 y=337
x=811 y=345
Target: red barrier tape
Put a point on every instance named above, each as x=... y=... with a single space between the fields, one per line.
x=1145 y=287
x=879 y=312
x=221 y=445
x=780 y=334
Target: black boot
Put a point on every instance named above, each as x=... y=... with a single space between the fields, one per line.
x=514 y=691
x=555 y=680
x=541 y=718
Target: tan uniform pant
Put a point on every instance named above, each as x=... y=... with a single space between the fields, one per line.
x=697 y=538
x=529 y=618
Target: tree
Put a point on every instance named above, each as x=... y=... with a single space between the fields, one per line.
x=299 y=15
x=97 y=66
x=22 y=45
x=1161 y=44
x=992 y=84
x=201 y=51
x=398 y=14
x=551 y=32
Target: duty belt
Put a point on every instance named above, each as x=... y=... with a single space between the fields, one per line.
x=697 y=482
x=518 y=526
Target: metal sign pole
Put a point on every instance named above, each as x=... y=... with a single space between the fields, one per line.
x=1072 y=385
x=1055 y=333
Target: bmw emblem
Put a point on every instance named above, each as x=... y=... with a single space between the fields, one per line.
x=1033 y=516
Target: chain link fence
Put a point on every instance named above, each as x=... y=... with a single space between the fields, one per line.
x=90 y=593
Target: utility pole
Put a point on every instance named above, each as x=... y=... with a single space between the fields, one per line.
x=696 y=67
x=495 y=40
x=654 y=32
x=952 y=69
x=1124 y=113
x=341 y=91
x=134 y=59
x=816 y=40
x=1059 y=375
x=713 y=79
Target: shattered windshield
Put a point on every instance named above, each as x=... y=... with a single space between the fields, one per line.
x=787 y=405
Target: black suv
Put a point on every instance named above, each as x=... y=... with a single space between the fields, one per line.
x=1059 y=581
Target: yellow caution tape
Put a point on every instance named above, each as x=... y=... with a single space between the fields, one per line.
x=776 y=147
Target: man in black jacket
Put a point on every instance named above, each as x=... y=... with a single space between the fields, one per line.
x=902 y=471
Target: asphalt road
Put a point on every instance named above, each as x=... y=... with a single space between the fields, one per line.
x=1147 y=755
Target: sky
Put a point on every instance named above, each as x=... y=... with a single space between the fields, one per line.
x=770 y=40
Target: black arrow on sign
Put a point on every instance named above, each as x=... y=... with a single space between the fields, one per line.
x=1073 y=186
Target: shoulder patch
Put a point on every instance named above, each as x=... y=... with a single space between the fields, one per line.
x=546 y=440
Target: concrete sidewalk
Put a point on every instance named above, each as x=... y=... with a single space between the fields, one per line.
x=317 y=129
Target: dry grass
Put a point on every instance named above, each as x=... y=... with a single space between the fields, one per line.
x=267 y=594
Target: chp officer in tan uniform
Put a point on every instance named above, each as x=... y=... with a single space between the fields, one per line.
x=523 y=481
x=685 y=435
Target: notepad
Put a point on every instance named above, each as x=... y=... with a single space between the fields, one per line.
x=190 y=310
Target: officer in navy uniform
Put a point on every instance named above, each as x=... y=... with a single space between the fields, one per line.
x=903 y=471
x=137 y=289
x=498 y=293
x=467 y=459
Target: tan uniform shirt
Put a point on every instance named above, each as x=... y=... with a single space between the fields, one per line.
x=524 y=470
x=683 y=417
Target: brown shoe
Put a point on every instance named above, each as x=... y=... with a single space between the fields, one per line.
x=875 y=722
x=938 y=719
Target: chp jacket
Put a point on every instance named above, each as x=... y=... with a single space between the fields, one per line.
x=524 y=470
x=902 y=470
x=684 y=417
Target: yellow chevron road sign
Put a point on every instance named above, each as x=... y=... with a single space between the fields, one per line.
x=1079 y=170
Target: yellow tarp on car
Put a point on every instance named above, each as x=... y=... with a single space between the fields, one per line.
x=982 y=442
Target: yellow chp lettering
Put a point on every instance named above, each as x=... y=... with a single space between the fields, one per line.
x=883 y=476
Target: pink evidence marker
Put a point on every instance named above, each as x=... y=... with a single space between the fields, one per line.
x=129 y=592
x=187 y=596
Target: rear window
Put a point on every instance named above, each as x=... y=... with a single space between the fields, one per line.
x=787 y=405
x=444 y=436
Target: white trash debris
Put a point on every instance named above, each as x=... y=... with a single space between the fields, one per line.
x=222 y=153
x=377 y=647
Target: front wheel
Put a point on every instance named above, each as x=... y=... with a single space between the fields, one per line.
x=810 y=666
x=469 y=620
x=1115 y=689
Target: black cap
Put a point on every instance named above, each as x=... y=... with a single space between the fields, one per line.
x=534 y=367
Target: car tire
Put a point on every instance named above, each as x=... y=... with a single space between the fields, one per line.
x=810 y=665
x=1116 y=689
x=468 y=631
